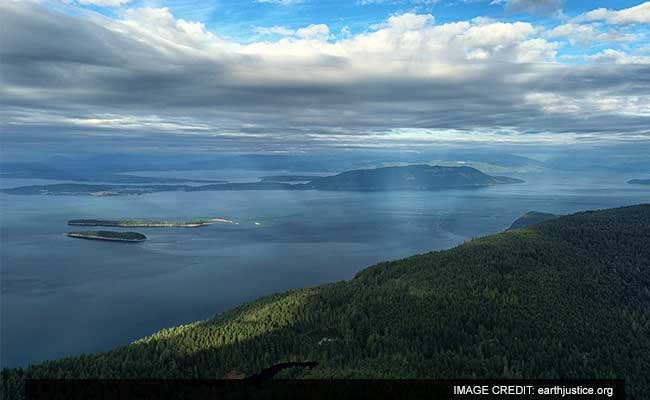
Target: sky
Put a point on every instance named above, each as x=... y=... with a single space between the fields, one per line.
x=306 y=75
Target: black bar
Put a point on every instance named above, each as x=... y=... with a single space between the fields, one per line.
x=36 y=389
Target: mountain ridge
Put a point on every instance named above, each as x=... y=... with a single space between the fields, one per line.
x=413 y=177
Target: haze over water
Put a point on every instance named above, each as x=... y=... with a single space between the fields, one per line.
x=63 y=297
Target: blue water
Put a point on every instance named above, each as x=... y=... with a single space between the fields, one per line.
x=62 y=296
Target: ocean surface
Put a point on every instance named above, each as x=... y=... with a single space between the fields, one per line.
x=63 y=296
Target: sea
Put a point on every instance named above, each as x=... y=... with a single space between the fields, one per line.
x=63 y=297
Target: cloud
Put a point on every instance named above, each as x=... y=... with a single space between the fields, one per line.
x=310 y=32
x=275 y=30
x=586 y=34
x=148 y=73
x=618 y=57
x=314 y=32
x=543 y=7
x=639 y=14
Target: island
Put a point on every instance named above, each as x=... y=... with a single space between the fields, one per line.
x=130 y=237
x=289 y=178
x=532 y=218
x=639 y=182
x=78 y=189
x=411 y=177
x=140 y=223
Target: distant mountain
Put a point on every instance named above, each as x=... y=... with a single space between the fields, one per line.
x=639 y=182
x=413 y=177
x=288 y=178
x=532 y=218
x=567 y=298
x=82 y=174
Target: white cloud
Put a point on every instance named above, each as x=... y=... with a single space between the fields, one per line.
x=617 y=57
x=314 y=32
x=317 y=32
x=586 y=34
x=600 y=102
x=531 y=6
x=497 y=33
x=275 y=30
x=634 y=15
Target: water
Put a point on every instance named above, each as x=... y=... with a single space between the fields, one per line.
x=62 y=296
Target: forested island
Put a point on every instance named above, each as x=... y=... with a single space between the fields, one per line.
x=413 y=177
x=141 y=223
x=109 y=236
x=565 y=298
x=639 y=182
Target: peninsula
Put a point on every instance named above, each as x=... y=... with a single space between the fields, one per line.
x=132 y=237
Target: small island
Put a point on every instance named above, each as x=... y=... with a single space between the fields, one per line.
x=639 y=182
x=131 y=237
x=139 y=223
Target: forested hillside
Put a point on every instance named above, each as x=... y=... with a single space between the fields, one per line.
x=567 y=298
x=531 y=218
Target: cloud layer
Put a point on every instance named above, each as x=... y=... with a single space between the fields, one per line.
x=148 y=72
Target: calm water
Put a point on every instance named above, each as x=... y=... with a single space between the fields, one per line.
x=62 y=296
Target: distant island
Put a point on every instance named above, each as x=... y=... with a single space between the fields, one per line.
x=80 y=189
x=289 y=178
x=138 y=223
x=412 y=177
x=639 y=182
x=109 y=236
x=532 y=218
x=77 y=189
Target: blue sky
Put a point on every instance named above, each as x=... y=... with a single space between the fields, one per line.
x=238 y=19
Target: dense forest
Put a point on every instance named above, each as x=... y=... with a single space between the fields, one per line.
x=566 y=298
